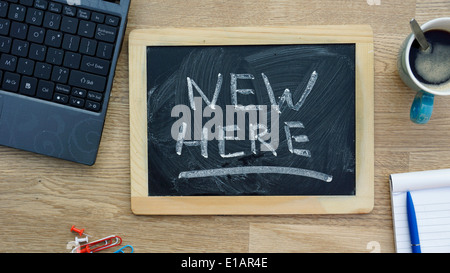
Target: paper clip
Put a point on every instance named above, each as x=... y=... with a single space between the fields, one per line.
x=120 y=250
x=103 y=243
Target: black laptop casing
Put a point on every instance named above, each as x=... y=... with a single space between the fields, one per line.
x=57 y=130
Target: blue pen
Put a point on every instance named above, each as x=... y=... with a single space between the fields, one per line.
x=412 y=223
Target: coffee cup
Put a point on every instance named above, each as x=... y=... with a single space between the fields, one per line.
x=426 y=71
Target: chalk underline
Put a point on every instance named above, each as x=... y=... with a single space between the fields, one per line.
x=256 y=169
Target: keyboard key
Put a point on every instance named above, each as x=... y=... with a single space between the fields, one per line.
x=36 y=34
x=37 y=52
x=84 y=14
x=10 y=81
x=86 y=29
x=69 y=11
x=45 y=90
x=8 y=62
x=25 y=67
x=106 y=33
x=87 y=81
x=20 y=48
x=61 y=88
x=19 y=30
x=69 y=24
x=4 y=26
x=55 y=7
x=98 y=17
x=92 y=105
x=112 y=20
x=26 y=2
x=28 y=86
x=95 y=65
x=60 y=74
x=77 y=102
x=5 y=44
x=17 y=12
x=41 y=4
x=71 y=42
x=43 y=70
x=52 y=20
x=55 y=56
x=53 y=38
x=72 y=60
x=61 y=98
x=105 y=50
x=91 y=95
x=34 y=16
x=3 y=8
x=88 y=46
x=78 y=92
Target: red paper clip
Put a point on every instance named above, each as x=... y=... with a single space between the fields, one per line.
x=104 y=243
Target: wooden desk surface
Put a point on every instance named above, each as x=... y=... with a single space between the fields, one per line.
x=42 y=197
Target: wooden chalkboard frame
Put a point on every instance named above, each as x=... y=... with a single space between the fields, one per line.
x=361 y=202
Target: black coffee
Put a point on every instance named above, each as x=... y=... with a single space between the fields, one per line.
x=432 y=66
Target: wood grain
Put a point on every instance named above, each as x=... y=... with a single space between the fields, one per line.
x=52 y=195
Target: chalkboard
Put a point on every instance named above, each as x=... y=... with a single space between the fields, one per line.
x=311 y=150
x=251 y=120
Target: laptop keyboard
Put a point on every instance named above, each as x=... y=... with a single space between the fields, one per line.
x=56 y=52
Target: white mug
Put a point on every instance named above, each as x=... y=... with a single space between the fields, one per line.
x=422 y=106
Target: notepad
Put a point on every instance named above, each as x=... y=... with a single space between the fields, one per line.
x=430 y=191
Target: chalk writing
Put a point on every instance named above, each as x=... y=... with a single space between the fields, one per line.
x=256 y=169
x=233 y=131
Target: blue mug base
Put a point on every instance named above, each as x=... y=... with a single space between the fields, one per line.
x=422 y=107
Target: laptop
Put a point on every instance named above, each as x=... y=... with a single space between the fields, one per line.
x=57 y=64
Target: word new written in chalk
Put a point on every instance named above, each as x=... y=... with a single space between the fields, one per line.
x=258 y=130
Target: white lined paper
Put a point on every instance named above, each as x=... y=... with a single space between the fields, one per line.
x=430 y=191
